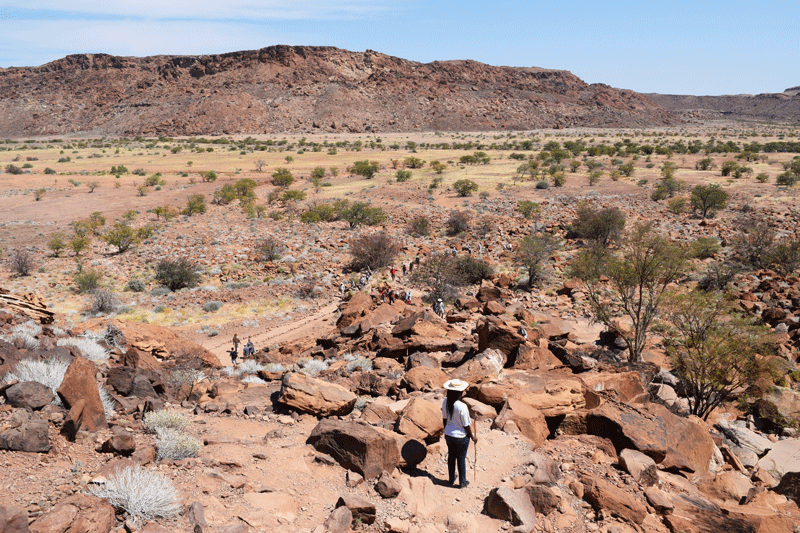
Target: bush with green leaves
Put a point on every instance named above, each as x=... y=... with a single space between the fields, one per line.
x=57 y=243
x=708 y=199
x=704 y=247
x=676 y=206
x=528 y=209
x=603 y=226
x=122 y=236
x=472 y=270
x=176 y=274
x=136 y=285
x=268 y=249
x=359 y=213
x=143 y=493
x=87 y=279
x=465 y=187
x=365 y=168
x=195 y=205
x=402 y=175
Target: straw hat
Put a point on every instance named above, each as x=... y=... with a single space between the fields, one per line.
x=456 y=384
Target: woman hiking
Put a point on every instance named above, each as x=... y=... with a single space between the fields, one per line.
x=457 y=431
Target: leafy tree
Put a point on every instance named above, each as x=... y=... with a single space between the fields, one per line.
x=593 y=177
x=119 y=170
x=292 y=195
x=175 y=274
x=728 y=168
x=57 y=243
x=413 y=162
x=533 y=252
x=752 y=241
x=707 y=199
x=714 y=351
x=166 y=211
x=438 y=166
x=403 y=175
x=364 y=168
x=209 y=176
x=637 y=279
x=225 y=195
x=359 y=213
x=78 y=244
x=120 y=235
x=627 y=169
x=470 y=270
x=704 y=164
x=786 y=179
x=282 y=177
x=465 y=187
x=374 y=250
x=318 y=172
x=604 y=226
x=195 y=205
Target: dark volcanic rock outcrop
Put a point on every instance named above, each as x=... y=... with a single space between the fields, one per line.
x=303 y=89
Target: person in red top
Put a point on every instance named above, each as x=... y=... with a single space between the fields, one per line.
x=393 y=271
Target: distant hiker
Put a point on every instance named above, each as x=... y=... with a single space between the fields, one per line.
x=469 y=249
x=410 y=267
x=453 y=251
x=249 y=349
x=236 y=341
x=342 y=289
x=457 y=431
x=352 y=284
x=523 y=332
x=367 y=275
x=391 y=296
x=416 y=260
x=480 y=248
x=408 y=297
x=404 y=269
x=362 y=282
x=393 y=271
x=438 y=308
x=234 y=353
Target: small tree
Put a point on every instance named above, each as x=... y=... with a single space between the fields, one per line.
x=57 y=243
x=752 y=241
x=707 y=199
x=38 y=194
x=93 y=184
x=533 y=252
x=175 y=274
x=465 y=187
x=604 y=226
x=260 y=164
x=120 y=235
x=195 y=205
x=359 y=213
x=268 y=249
x=419 y=226
x=364 y=168
x=78 y=244
x=282 y=177
x=714 y=351
x=22 y=262
x=784 y=256
x=375 y=250
x=438 y=166
x=528 y=209
x=637 y=280
x=318 y=172
x=458 y=223
x=209 y=176
x=403 y=175
x=704 y=164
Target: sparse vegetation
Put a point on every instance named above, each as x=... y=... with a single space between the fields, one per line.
x=372 y=250
x=176 y=274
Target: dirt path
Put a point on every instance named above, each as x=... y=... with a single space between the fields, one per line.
x=315 y=324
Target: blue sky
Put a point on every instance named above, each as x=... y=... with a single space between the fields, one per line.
x=673 y=46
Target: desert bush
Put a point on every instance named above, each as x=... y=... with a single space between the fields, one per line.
x=195 y=205
x=107 y=401
x=603 y=226
x=704 y=164
x=249 y=366
x=252 y=379
x=312 y=367
x=22 y=262
x=57 y=243
x=403 y=175
x=121 y=235
x=762 y=177
x=457 y=223
x=728 y=168
x=365 y=168
x=210 y=307
x=143 y=494
x=136 y=285
x=362 y=363
x=39 y=193
x=375 y=250
x=704 y=247
x=533 y=252
x=308 y=289
x=719 y=275
x=419 y=226
x=528 y=209
x=558 y=180
x=543 y=184
x=49 y=372
x=176 y=445
x=13 y=169
x=784 y=256
x=275 y=367
x=49 y=170
x=471 y=270
x=752 y=241
x=786 y=179
x=209 y=176
x=89 y=347
x=155 y=421
x=359 y=213
x=268 y=249
x=87 y=279
x=465 y=187
x=103 y=301
x=708 y=199
x=175 y=274
x=676 y=206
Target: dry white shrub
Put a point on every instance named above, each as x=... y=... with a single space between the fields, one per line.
x=143 y=493
x=156 y=421
x=176 y=445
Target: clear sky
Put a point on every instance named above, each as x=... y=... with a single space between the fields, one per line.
x=670 y=46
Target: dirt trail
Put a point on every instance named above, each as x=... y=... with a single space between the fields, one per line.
x=314 y=324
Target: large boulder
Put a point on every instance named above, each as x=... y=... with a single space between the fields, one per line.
x=315 y=396
x=553 y=393
x=485 y=366
x=29 y=436
x=535 y=355
x=421 y=419
x=356 y=307
x=674 y=442
x=640 y=466
x=499 y=334
x=424 y=378
x=79 y=384
x=742 y=437
x=782 y=458
x=356 y=446
x=726 y=487
x=625 y=385
x=13 y=520
x=78 y=513
x=603 y=495
x=512 y=505
x=790 y=486
x=529 y=420
x=29 y=395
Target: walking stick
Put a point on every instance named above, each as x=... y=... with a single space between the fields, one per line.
x=475 y=447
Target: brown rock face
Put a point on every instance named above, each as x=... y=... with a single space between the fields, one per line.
x=603 y=495
x=79 y=384
x=30 y=436
x=513 y=505
x=529 y=420
x=421 y=419
x=315 y=396
x=356 y=446
x=79 y=512
x=303 y=88
x=13 y=520
x=29 y=395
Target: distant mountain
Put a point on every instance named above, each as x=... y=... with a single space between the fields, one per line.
x=768 y=107
x=303 y=89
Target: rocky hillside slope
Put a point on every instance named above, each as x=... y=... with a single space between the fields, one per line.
x=771 y=107
x=302 y=89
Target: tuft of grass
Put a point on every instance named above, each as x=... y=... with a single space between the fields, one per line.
x=89 y=347
x=49 y=373
x=156 y=421
x=142 y=493
x=176 y=445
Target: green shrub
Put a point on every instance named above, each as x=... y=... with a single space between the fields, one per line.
x=465 y=187
x=403 y=175
x=195 y=205
x=473 y=270
x=136 y=285
x=676 y=206
x=210 y=307
x=705 y=247
x=176 y=274
x=543 y=184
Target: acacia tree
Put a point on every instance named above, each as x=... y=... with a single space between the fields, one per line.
x=373 y=251
x=708 y=199
x=532 y=253
x=638 y=277
x=713 y=351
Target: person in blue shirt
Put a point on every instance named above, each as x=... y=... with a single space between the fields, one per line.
x=457 y=431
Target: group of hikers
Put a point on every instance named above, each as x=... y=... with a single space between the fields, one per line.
x=248 y=351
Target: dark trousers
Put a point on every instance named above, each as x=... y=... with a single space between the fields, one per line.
x=457 y=454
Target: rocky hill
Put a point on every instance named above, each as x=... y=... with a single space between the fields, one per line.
x=770 y=107
x=303 y=89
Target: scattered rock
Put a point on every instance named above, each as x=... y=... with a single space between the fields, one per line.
x=356 y=446
x=315 y=396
